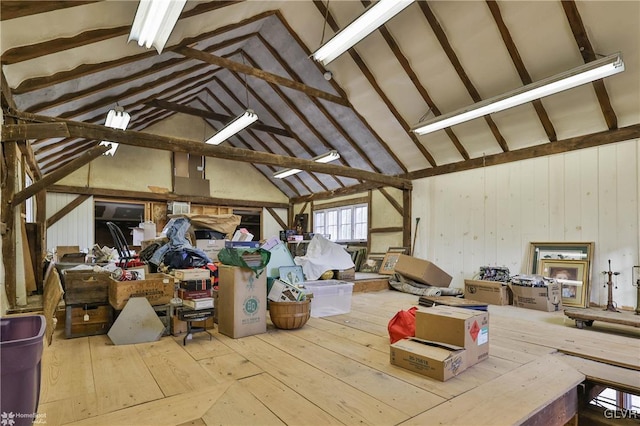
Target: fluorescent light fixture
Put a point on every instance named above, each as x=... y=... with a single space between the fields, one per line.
x=583 y=74
x=117 y=118
x=324 y=158
x=374 y=16
x=154 y=22
x=239 y=123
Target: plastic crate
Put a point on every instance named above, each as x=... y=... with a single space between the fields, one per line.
x=330 y=297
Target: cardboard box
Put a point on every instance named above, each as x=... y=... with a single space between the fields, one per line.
x=547 y=298
x=422 y=271
x=345 y=274
x=196 y=285
x=242 y=302
x=283 y=292
x=492 y=292
x=211 y=248
x=193 y=294
x=202 y=303
x=432 y=359
x=157 y=288
x=192 y=274
x=463 y=327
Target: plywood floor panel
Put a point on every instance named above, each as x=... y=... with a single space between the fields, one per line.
x=230 y=367
x=335 y=369
x=122 y=379
x=66 y=369
x=409 y=399
x=173 y=369
x=238 y=406
x=344 y=402
x=168 y=411
x=525 y=391
x=285 y=403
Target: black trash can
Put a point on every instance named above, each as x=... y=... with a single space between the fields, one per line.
x=21 y=345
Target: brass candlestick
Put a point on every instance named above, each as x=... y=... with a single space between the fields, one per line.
x=610 y=305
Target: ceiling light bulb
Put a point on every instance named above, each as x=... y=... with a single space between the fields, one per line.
x=239 y=123
x=583 y=74
x=374 y=16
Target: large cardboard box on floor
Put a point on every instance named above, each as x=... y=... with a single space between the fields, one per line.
x=422 y=271
x=242 y=301
x=492 y=292
x=432 y=359
x=463 y=327
x=547 y=298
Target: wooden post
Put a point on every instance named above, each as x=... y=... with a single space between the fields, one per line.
x=406 y=218
x=7 y=214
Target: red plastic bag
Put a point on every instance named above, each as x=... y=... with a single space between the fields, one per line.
x=403 y=324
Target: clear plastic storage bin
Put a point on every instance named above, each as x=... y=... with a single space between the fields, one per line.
x=330 y=297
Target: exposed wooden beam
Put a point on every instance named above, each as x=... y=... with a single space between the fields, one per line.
x=30 y=158
x=396 y=205
x=7 y=216
x=350 y=190
x=10 y=9
x=66 y=209
x=522 y=70
x=87 y=69
x=239 y=138
x=127 y=79
x=222 y=118
x=258 y=73
x=406 y=220
x=588 y=54
x=6 y=94
x=342 y=93
x=386 y=229
x=146 y=140
x=558 y=147
x=18 y=132
x=404 y=63
x=152 y=196
x=339 y=128
x=60 y=173
x=277 y=218
x=372 y=80
x=453 y=58
x=32 y=51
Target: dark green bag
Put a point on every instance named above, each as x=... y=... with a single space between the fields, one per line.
x=254 y=259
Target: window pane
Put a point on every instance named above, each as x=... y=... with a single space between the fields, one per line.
x=318 y=223
x=332 y=224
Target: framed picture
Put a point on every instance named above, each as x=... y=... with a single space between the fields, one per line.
x=558 y=251
x=389 y=263
x=572 y=276
x=372 y=264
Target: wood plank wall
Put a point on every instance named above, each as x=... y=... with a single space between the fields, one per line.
x=74 y=229
x=489 y=216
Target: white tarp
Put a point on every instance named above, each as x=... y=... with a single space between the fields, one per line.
x=323 y=255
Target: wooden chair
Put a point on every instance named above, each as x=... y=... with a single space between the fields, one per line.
x=121 y=245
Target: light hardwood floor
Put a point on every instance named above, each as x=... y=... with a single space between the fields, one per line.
x=334 y=370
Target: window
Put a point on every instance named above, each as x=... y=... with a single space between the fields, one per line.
x=346 y=223
x=30 y=203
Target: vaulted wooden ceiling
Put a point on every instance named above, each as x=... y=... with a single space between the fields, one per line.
x=71 y=60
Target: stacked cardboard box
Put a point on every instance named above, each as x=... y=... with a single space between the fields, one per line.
x=447 y=341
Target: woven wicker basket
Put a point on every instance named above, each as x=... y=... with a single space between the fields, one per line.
x=289 y=315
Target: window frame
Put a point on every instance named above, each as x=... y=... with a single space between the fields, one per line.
x=339 y=226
